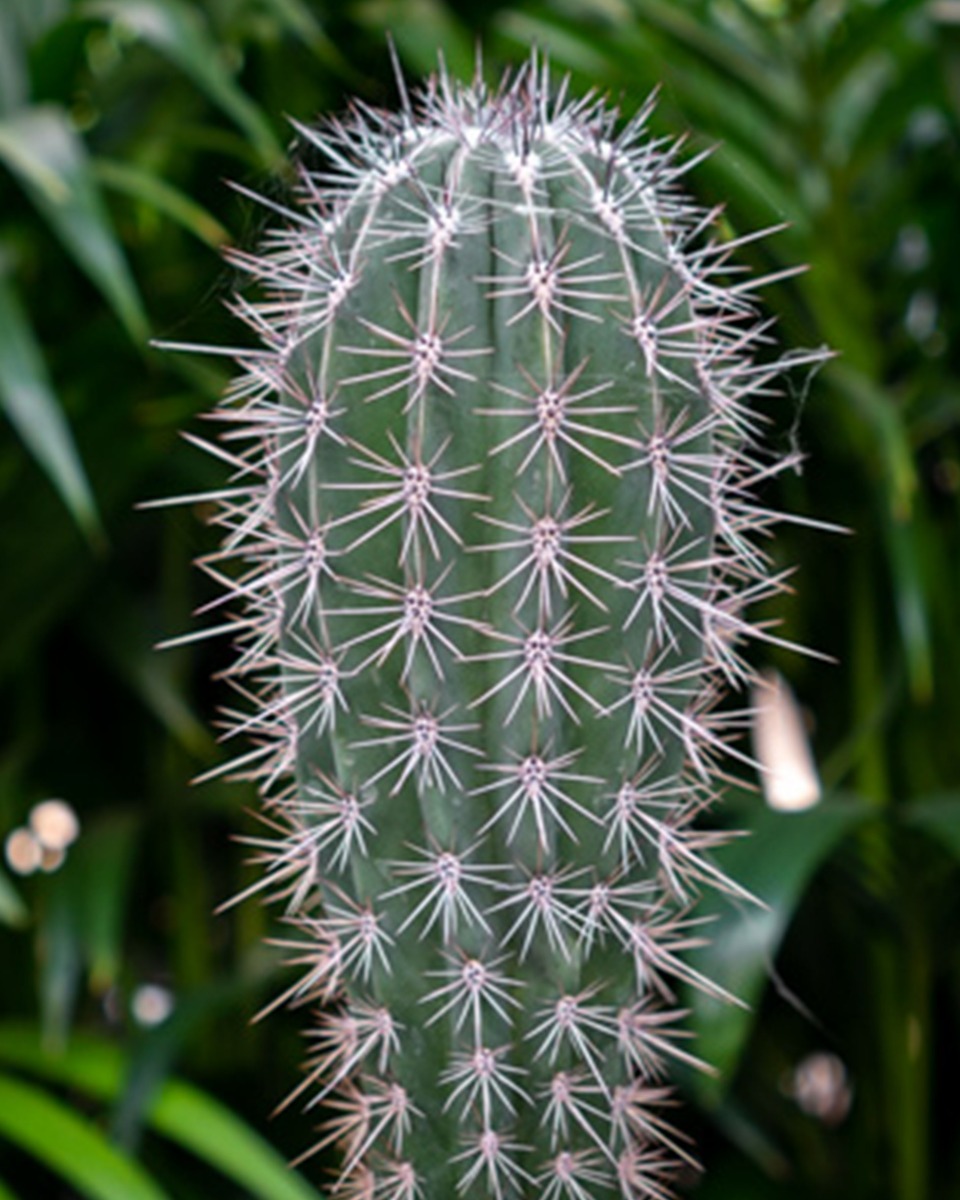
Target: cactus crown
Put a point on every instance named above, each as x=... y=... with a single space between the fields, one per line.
x=493 y=500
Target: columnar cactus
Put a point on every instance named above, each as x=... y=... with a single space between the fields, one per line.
x=493 y=497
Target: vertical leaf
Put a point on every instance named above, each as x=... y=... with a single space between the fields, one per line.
x=12 y=909
x=41 y=148
x=177 y=31
x=33 y=409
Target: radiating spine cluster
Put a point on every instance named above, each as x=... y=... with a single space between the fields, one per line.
x=494 y=463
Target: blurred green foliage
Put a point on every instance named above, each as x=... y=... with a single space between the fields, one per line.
x=120 y=123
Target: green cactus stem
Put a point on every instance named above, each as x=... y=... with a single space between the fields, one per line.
x=493 y=501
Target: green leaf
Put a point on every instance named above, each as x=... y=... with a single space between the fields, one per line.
x=14 y=88
x=199 y=1123
x=297 y=17
x=420 y=29
x=61 y=964
x=761 y=195
x=125 y=640
x=12 y=909
x=854 y=102
x=155 y=192
x=178 y=1111
x=38 y=19
x=937 y=816
x=775 y=863
x=882 y=418
x=6 y=1193
x=712 y=47
x=42 y=149
x=96 y=879
x=83 y=919
x=910 y=594
x=566 y=47
x=178 y=31
x=33 y=409
x=68 y=1145
x=878 y=413
x=152 y=1057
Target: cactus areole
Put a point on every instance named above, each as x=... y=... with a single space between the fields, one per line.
x=493 y=509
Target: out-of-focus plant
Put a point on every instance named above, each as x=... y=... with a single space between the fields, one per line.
x=94 y=1109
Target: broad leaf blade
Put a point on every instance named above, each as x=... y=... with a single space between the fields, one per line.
x=179 y=1111
x=775 y=863
x=66 y=1144
x=199 y=1123
x=31 y=405
x=41 y=148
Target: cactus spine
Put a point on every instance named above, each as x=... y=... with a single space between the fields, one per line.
x=493 y=501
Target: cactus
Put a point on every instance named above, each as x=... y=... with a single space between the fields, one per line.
x=494 y=503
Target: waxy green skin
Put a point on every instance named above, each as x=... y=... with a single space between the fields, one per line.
x=497 y=541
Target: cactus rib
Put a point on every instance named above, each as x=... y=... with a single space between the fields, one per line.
x=494 y=507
